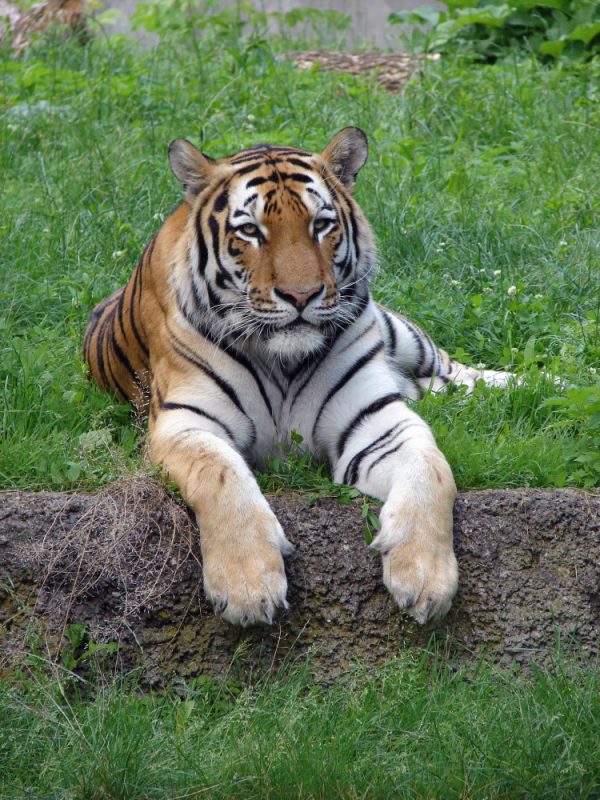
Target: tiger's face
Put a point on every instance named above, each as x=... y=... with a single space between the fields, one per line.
x=277 y=252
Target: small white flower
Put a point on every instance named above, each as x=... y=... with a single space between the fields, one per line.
x=46 y=230
x=592 y=370
x=251 y=118
x=454 y=282
x=487 y=290
x=514 y=350
x=511 y=291
x=539 y=296
x=158 y=216
x=481 y=365
x=497 y=272
x=118 y=254
x=481 y=270
x=562 y=243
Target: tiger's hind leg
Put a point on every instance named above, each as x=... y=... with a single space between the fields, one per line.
x=412 y=351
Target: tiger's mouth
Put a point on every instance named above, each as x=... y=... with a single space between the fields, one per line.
x=299 y=324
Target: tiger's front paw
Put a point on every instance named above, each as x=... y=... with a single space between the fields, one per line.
x=415 y=541
x=422 y=580
x=244 y=574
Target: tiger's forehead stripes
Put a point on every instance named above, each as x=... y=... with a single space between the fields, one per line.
x=274 y=187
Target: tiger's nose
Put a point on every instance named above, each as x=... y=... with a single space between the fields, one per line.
x=299 y=298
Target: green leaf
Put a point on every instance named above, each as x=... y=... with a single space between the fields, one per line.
x=491 y=15
x=75 y=633
x=552 y=48
x=529 y=352
x=585 y=33
x=417 y=16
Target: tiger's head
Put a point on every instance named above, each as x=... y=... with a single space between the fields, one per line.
x=276 y=253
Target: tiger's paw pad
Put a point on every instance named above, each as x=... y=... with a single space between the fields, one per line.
x=422 y=582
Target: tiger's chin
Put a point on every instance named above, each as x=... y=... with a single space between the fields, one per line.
x=294 y=342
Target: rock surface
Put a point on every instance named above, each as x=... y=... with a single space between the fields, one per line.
x=126 y=563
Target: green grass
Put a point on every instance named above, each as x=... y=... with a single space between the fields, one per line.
x=479 y=179
x=415 y=729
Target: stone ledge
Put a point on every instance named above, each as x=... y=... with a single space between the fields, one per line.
x=126 y=563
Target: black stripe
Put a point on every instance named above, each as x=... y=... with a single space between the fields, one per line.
x=367 y=330
x=120 y=315
x=426 y=369
x=134 y=327
x=214 y=300
x=99 y=353
x=241 y=359
x=123 y=358
x=117 y=388
x=385 y=455
x=297 y=176
x=105 y=366
x=185 y=407
x=420 y=347
x=351 y=472
x=270 y=376
x=221 y=201
x=330 y=186
x=216 y=246
x=249 y=168
x=350 y=373
x=298 y=163
x=434 y=368
x=149 y=249
x=312 y=190
x=346 y=267
x=362 y=415
x=225 y=387
x=390 y=329
x=252 y=156
x=306 y=380
x=397 y=429
x=354 y=234
x=202 y=249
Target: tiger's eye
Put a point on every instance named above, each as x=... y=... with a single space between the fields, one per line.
x=319 y=225
x=249 y=229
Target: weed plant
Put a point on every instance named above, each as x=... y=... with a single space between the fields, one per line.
x=416 y=728
x=481 y=186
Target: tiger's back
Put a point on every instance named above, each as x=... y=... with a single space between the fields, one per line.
x=123 y=327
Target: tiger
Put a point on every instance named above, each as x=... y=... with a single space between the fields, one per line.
x=248 y=323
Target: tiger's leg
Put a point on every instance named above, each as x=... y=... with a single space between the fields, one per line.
x=411 y=350
x=389 y=453
x=242 y=542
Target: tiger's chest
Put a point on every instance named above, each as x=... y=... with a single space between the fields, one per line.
x=268 y=404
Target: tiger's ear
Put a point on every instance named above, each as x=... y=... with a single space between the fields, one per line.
x=190 y=166
x=346 y=154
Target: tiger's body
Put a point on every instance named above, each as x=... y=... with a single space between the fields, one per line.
x=248 y=318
